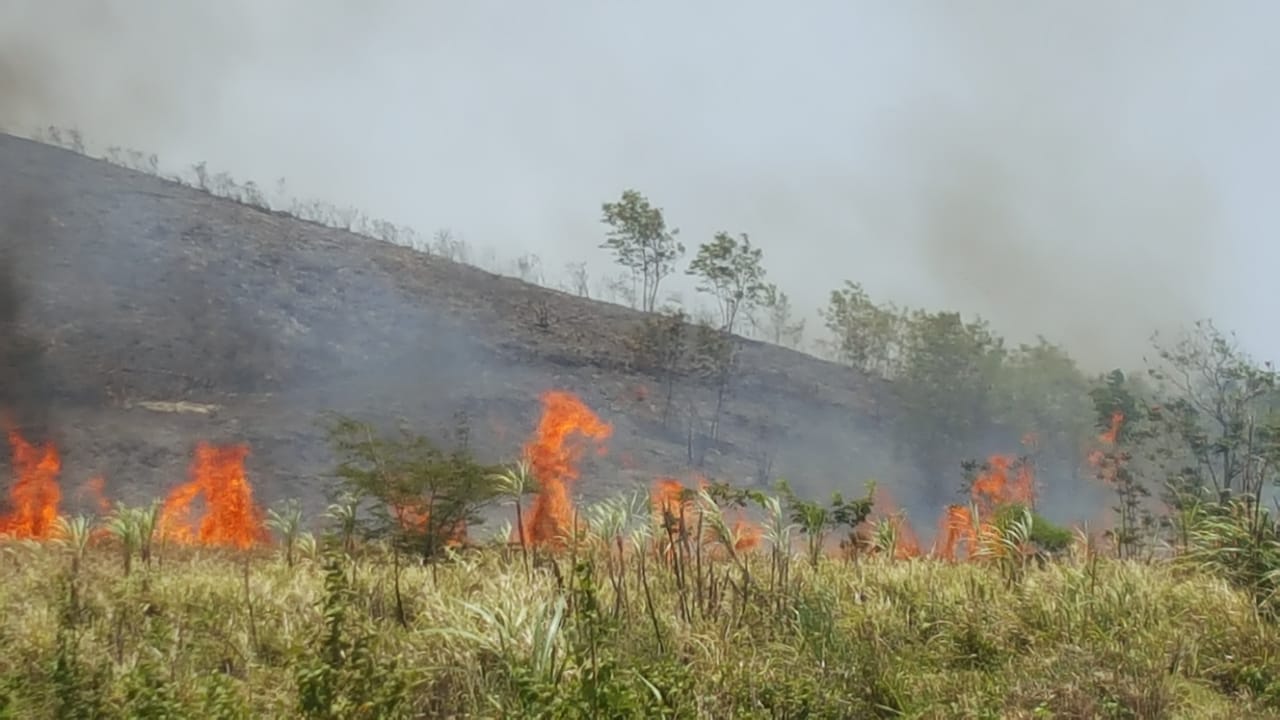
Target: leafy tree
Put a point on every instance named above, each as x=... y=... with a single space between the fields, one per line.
x=777 y=325
x=424 y=497
x=642 y=243
x=945 y=391
x=1218 y=404
x=1042 y=393
x=732 y=272
x=865 y=335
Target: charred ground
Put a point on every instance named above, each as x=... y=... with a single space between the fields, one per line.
x=141 y=316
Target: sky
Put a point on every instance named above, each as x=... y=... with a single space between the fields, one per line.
x=1086 y=171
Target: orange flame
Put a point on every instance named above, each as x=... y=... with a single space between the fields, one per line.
x=748 y=534
x=1108 y=467
x=411 y=519
x=95 y=490
x=554 y=452
x=883 y=507
x=35 y=494
x=1004 y=480
x=667 y=498
x=231 y=518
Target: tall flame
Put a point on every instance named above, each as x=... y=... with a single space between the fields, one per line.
x=35 y=494
x=230 y=516
x=553 y=452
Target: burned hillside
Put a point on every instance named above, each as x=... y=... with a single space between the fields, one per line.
x=143 y=317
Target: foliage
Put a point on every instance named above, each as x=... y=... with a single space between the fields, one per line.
x=423 y=495
x=1075 y=637
x=778 y=324
x=1119 y=417
x=641 y=242
x=946 y=391
x=816 y=520
x=1047 y=536
x=1215 y=403
x=870 y=337
x=733 y=273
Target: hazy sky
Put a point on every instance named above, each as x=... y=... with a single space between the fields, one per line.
x=1084 y=170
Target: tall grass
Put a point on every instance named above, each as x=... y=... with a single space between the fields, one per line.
x=620 y=624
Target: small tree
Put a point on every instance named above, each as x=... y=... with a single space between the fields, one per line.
x=816 y=520
x=424 y=497
x=871 y=337
x=732 y=272
x=1218 y=408
x=641 y=242
x=1118 y=417
x=777 y=325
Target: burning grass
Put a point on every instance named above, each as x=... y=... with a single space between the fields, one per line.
x=667 y=603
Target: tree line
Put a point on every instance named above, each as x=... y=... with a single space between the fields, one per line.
x=1199 y=423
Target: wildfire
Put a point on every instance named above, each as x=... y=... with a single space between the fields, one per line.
x=907 y=542
x=554 y=451
x=95 y=490
x=410 y=518
x=668 y=500
x=35 y=494
x=231 y=518
x=1004 y=480
x=747 y=534
x=1107 y=467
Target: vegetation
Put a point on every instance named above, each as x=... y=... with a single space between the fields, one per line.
x=639 y=238
x=622 y=624
x=686 y=608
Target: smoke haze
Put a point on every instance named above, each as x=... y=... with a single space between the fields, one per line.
x=1086 y=171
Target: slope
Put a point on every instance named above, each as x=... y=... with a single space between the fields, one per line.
x=138 y=316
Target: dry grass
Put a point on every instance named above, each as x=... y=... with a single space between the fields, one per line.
x=212 y=634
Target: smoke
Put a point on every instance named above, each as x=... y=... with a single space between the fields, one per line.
x=1037 y=194
x=1051 y=167
x=23 y=381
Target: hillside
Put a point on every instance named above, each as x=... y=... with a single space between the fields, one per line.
x=142 y=316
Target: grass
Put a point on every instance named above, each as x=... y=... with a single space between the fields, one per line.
x=614 y=626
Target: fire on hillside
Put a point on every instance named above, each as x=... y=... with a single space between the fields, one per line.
x=216 y=506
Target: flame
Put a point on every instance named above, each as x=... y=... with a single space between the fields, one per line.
x=667 y=498
x=1113 y=432
x=748 y=534
x=95 y=490
x=1107 y=466
x=412 y=519
x=231 y=518
x=996 y=486
x=884 y=507
x=35 y=494
x=554 y=452
x=1004 y=480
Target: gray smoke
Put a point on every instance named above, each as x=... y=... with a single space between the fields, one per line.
x=24 y=387
x=1046 y=165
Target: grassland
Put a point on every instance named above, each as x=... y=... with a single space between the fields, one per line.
x=620 y=623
